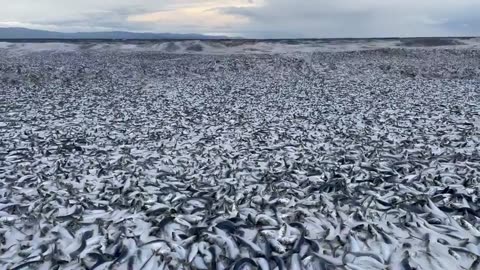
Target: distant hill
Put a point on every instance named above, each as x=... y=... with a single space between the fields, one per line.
x=25 y=33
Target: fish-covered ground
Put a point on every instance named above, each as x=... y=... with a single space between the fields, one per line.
x=318 y=160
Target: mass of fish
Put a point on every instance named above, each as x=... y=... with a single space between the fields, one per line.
x=339 y=160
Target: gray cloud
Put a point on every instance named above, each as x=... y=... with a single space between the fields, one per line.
x=114 y=19
x=85 y=15
x=360 y=18
x=268 y=19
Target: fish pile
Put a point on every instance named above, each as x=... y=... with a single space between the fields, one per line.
x=138 y=160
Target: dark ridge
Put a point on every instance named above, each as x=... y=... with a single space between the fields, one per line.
x=430 y=42
x=25 y=34
x=39 y=36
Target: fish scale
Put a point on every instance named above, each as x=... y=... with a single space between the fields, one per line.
x=240 y=161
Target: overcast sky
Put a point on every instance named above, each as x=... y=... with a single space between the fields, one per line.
x=251 y=18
